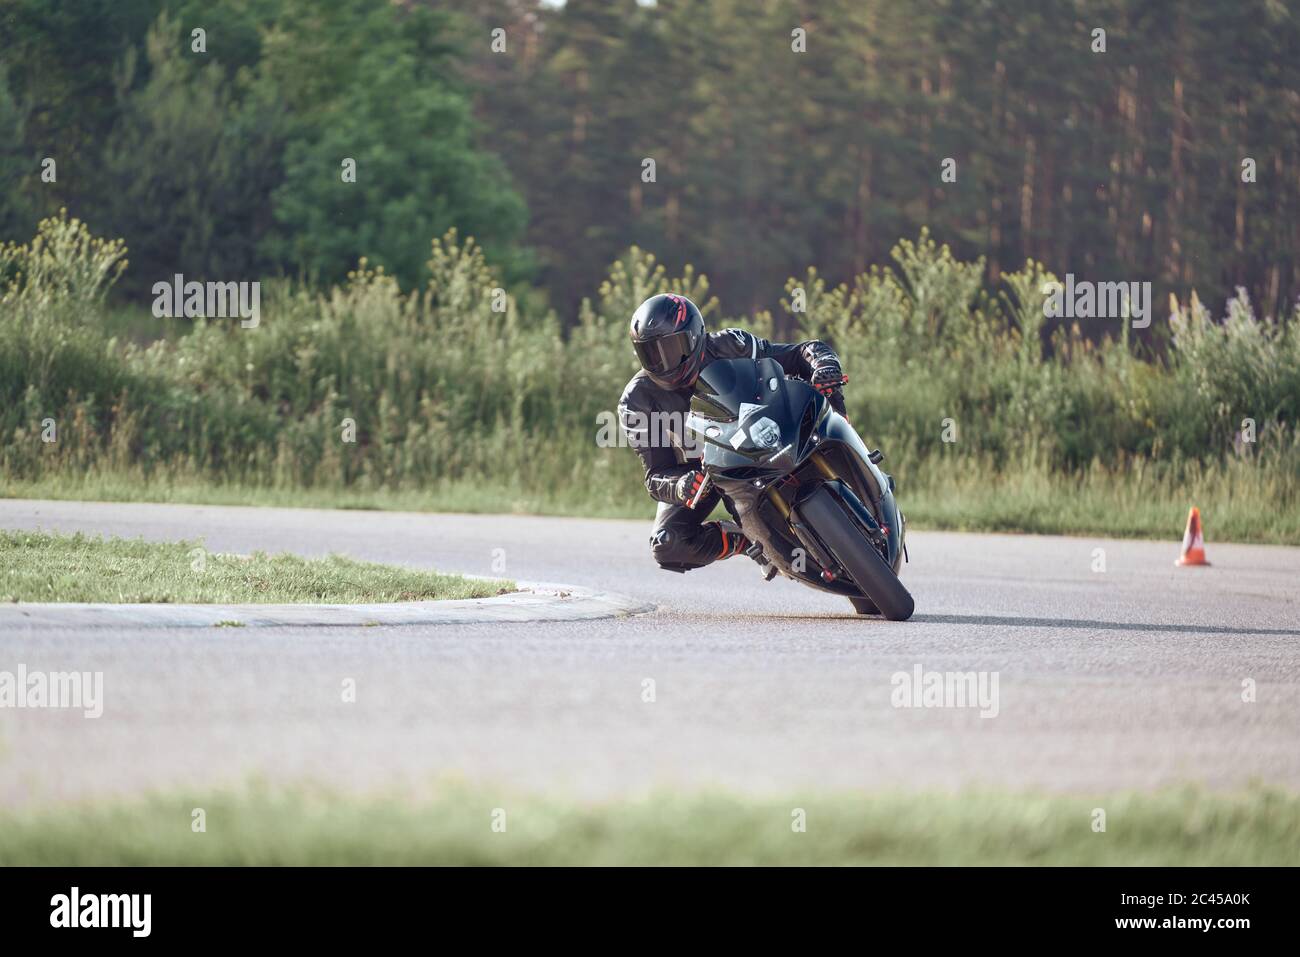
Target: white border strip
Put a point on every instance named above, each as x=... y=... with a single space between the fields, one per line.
x=536 y=602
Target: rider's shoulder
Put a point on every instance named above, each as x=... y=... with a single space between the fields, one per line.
x=733 y=343
x=639 y=391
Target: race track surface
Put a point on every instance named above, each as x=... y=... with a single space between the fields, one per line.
x=1127 y=678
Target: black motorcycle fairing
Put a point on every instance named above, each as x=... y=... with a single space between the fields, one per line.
x=754 y=422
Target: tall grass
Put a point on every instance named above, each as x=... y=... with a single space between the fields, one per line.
x=460 y=399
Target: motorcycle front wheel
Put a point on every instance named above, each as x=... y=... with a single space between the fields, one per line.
x=838 y=531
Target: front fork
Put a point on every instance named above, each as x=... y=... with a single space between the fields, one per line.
x=774 y=494
x=808 y=538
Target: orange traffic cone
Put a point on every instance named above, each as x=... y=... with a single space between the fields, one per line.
x=1193 y=541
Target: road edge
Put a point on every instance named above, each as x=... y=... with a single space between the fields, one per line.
x=535 y=601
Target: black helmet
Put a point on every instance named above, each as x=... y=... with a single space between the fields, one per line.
x=668 y=336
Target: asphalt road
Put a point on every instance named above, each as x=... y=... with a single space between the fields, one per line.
x=1127 y=678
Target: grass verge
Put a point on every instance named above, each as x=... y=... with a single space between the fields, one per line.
x=1237 y=503
x=37 y=566
x=302 y=826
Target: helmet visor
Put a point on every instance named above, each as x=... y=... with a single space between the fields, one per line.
x=661 y=356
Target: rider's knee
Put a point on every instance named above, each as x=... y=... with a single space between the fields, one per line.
x=672 y=549
x=666 y=546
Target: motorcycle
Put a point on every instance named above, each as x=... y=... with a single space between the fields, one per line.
x=803 y=486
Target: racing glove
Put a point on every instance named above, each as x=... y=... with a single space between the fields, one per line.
x=688 y=485
x=829 y=379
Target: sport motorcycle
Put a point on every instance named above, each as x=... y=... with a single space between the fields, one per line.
x=802 y=485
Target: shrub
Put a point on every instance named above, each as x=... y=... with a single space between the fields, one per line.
x=453 y=383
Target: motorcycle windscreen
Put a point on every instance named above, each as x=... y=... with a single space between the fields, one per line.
x=749 y=414
x=725 y=385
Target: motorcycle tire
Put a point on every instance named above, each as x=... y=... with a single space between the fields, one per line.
x=837 y=530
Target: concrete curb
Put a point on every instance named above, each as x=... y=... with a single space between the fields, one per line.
x=536 y=601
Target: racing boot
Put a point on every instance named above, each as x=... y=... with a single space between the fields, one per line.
x=733 y=540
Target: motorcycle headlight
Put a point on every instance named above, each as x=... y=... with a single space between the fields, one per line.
x=765 y=434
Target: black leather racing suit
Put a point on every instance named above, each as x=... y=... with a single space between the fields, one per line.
x=653 y=419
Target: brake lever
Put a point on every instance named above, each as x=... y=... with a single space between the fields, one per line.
x=704 y=487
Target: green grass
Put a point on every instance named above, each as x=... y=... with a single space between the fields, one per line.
x=40 y=567
x=489 y=496
x=305 y=826
x=1238 y=502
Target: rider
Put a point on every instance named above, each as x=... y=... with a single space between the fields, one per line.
x=672 y=345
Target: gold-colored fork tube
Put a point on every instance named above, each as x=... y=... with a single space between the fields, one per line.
x=823 y=467
x=779 y=502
